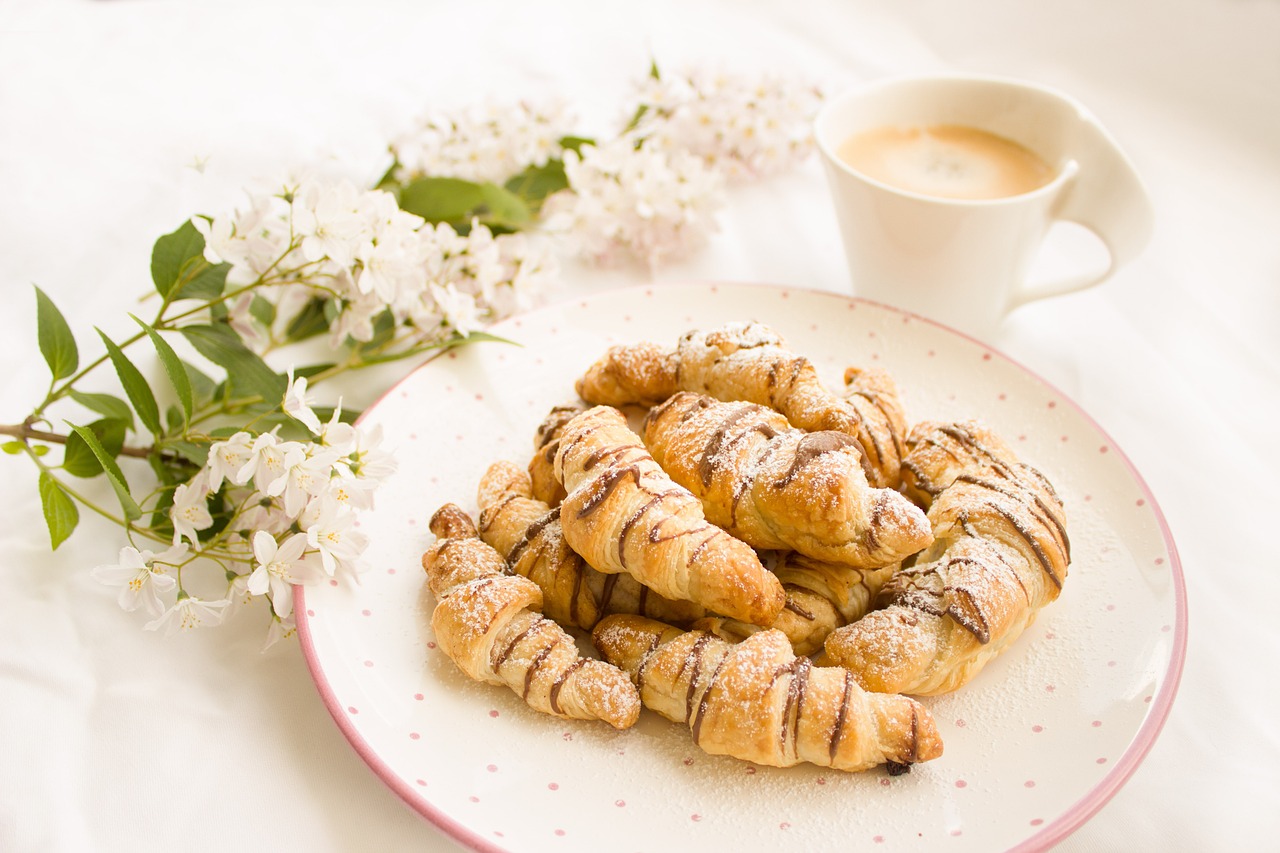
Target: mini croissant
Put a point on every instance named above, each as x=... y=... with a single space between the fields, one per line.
x=624 y=514
x=758 y=701
x=527 y=532
x=821 y=597
x=777 y=487
x=749 y=362
x=488 y=623
x=1000 y=553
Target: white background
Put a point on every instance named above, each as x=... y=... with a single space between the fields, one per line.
x=114 y=738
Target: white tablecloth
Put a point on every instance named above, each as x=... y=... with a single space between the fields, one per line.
x=114 y=738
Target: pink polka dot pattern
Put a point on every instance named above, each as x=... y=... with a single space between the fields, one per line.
x=1050 y=429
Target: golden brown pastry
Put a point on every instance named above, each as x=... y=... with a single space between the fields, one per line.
x=542 y=476
x=749 y=362
x=821 y=597
x=1000 y=553
x=777 y=487
x=760 y=702
x=488 y=623
x=624 y=514
x=527 y=532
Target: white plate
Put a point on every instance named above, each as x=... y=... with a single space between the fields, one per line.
x=1033 y=746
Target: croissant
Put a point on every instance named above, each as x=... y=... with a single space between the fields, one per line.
x=1000 y=553
x=624 y=514
x=821 y=597
x=546 y=442
x=760 y=702
x=777 y=487
x=487 y=622
x=527 y=532
x=749 y=362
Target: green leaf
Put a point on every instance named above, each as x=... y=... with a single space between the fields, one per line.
x=388 y=180
x=13 y=448
x=173 y=367
x=575 y=143
x=80 y=461
x=503 y=207
x=105 y=404
x=57 y=344
x=202 y=387
x=197 y=454
x=262 y=309
x=535 y=183
x=310 y=321
x=179 y=269
x=135 y=386
x=111 y=469
x=310 y=370
x=248 y=374
x=442 y=199
x=60 y=512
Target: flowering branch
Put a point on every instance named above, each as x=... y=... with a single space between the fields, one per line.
x=254 y=487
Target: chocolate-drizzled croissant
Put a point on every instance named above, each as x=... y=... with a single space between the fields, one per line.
x=542 y=477
x=527 y=532
x=821 y=596
x=760 y=702
x=488 y=623
x=777 y=487
x=1000 y=553
x=749 y=362
x=624 y=514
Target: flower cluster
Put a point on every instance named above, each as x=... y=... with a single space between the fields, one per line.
x=744 y=127
x=368 y=262
x=627 y=199
x=284 y=514
x=489 y=143
x=653 y=191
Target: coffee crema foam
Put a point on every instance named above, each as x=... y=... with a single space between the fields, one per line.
x=948 y=161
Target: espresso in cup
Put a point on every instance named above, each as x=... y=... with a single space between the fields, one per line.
x=946 y=161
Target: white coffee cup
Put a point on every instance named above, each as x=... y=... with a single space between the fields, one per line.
x=964 y=262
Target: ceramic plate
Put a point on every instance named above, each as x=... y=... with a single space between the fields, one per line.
x=1033 y=746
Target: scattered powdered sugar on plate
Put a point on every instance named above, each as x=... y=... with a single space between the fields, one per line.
x=1032 y=745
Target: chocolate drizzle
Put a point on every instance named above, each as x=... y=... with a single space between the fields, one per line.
x=558 y=684
x=693 y=659
x=810 y=447
x=604 y=486
x=511 y=646
x=838 y=729
x=533 y=667
x=695 y=726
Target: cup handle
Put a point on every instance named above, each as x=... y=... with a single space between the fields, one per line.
x=1106 y=196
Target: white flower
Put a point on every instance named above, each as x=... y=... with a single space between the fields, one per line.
x=190 y=511
x=330 y=220
x=745 y=127
x=297 y=405
x=188 y=613
x=337 y=435
x=143 y=577
x=270 y=463
x=483 y=143
x=277 y=569
x=230 y=460
x=644 y=201
x=281 y=628
x=333 y=534
x=367 y=460
x=307 y=477
x=458 y=309
x=242 y=320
